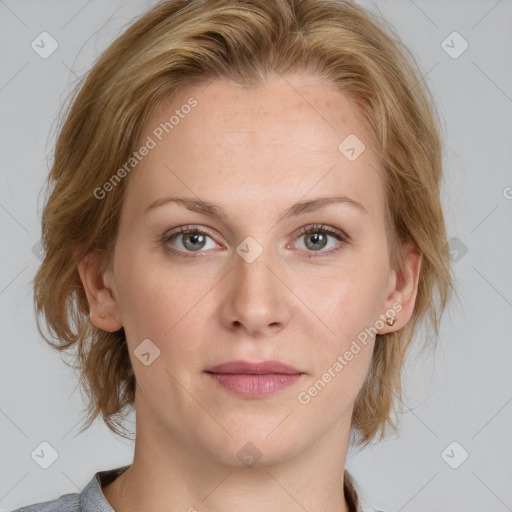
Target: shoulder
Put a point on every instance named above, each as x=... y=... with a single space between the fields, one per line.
x=91 y=499
x=65 y=503
x=355 y=497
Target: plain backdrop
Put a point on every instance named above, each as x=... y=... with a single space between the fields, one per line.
x=454 y=449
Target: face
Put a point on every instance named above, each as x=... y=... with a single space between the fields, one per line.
x=254 y=277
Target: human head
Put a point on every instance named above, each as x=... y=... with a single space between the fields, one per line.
x=179 y=44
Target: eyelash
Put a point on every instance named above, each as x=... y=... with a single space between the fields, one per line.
x=306 y=230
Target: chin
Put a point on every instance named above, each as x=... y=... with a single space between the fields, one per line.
x=252 y=448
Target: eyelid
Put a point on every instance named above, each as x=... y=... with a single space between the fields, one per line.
x=331 y=230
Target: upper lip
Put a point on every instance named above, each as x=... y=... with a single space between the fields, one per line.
x=254 y=368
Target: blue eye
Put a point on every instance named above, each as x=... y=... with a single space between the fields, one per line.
x=194 y=239
x=320 y=240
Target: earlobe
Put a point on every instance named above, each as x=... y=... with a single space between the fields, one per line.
x=104 y=311
x=402 y=298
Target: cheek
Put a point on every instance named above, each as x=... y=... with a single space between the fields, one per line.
x=148 y=299
x=352 y=302
x=343 y=356
x=163 y=304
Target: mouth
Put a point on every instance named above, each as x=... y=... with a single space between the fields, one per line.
x=256 y=368
x=254 y=380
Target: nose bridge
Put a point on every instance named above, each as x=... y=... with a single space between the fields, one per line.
x=253 y=262
x=256 y=296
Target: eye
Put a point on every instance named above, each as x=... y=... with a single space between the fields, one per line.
x=320 y=240
x=194 y=240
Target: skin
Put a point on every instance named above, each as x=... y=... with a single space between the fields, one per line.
x=255 y=153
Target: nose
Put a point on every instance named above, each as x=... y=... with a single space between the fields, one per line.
x=257 y=298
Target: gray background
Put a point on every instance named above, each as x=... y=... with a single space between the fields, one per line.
x=461 y=393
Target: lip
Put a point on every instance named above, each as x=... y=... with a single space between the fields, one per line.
x=254 y=368
x=254 y=380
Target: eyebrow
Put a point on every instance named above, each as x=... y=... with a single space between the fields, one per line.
x=215 y=210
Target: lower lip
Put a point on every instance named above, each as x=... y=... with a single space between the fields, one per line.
x=255 y=386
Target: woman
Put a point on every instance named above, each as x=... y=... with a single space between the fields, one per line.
x=243 y=234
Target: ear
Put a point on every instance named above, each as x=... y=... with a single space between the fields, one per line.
x=104 y=310
x=402 y=290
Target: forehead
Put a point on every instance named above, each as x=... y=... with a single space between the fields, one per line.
x=275 y=143
x=316 y=113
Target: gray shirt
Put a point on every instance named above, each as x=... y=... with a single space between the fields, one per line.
x=91 y=499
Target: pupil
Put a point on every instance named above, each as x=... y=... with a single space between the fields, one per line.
x=318 y=239
x=191 y=238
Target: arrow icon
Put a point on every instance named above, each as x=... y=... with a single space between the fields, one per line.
x=249 y=252
x=44 y=45
x=351 y=147
x=454 y=455
x=44 y=455
x=454 y=45
x=249 y=455
x=147 y=352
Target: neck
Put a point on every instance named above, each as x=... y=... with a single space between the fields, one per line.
x=172 y=473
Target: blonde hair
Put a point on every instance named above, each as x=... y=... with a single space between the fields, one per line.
x=179 y=43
